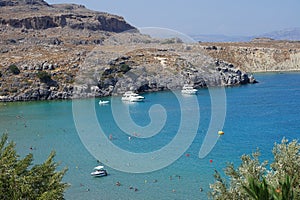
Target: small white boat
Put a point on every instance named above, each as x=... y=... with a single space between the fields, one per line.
x=132 y=97
x=101 y=102
x=187 y=89
x=99 y=171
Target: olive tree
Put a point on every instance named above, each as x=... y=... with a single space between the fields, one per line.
x=258 y=180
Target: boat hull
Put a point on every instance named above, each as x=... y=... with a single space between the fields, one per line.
x=99 y=173
x=132 y=97
x=103 y=102
x=189 y=92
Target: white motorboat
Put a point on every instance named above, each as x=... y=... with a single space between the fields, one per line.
x=101 y=102
x=99 y=171
x=132 y=97
x=187 y=89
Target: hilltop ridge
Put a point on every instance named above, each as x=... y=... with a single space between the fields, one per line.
x=37 y=14
x=22 y=2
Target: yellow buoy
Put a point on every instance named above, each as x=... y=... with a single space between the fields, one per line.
x=220 y=133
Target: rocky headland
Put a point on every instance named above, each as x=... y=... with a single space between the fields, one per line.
x=67 y=51
x=259 y=55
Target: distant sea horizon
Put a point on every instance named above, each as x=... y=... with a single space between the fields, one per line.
x=292 y=34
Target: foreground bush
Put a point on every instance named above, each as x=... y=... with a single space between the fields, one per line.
x=255 y=180
x=19 y=181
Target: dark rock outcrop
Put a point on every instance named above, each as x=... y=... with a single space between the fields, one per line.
x=232 y=76
x=40 y=22
x=22 y=2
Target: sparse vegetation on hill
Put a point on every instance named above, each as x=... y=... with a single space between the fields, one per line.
x=44 y=76
x=14 y=69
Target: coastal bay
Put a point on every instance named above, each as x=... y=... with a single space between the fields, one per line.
x=199 y=103
x=257 y=116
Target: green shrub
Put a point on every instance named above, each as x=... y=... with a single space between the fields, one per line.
x=14 y=69
x=124 y=68
x=19 y=179
x=260 y=190
x=44 y=76
x=258 y=180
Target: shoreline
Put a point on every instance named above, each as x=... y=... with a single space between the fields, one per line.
x=98 y=97
x=277 y=71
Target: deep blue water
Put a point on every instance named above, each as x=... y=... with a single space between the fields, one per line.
x=257 y=116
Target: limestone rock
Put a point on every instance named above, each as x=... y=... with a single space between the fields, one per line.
x=37 y=15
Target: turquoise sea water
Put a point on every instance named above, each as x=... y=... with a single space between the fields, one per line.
x=257 y=116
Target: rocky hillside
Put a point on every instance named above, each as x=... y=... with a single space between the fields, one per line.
x=154 y=66
x=40 y=40
x=37 y=14
x=65 y=51
x=259 y=55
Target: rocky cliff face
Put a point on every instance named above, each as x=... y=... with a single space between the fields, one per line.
x=75 y=21
x=22 y=2
x=260 y=55
x=37 y=14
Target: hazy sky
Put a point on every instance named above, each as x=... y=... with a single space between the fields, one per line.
x=228 y=17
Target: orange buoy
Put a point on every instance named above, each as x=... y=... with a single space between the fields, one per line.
x=221 y=133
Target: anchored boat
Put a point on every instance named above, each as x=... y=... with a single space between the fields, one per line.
x=99 y=171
